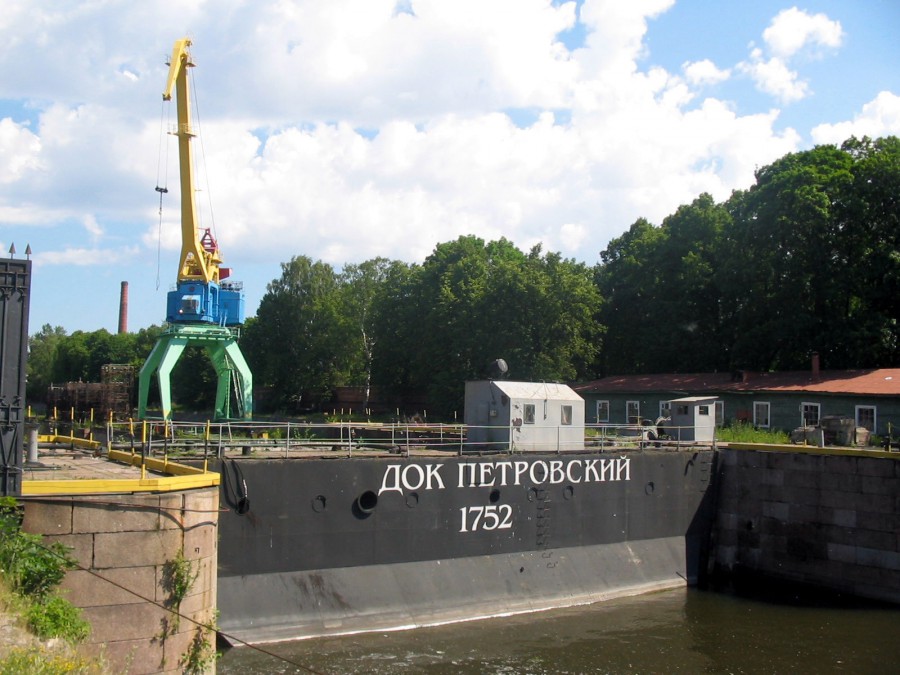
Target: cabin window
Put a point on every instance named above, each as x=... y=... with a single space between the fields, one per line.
x=720 y=413
x=865 y=417
x=633 y=412
x=761 y=414
x=703 y=410
x=665 y=408
x=603 y=411
x=681 y=409
x=529 y=413
x=809 y=414
x=565 y=415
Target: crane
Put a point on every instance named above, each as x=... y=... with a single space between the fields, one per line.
x=204 y=309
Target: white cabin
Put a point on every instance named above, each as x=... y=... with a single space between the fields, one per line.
x=693 y=418
x=524 y=416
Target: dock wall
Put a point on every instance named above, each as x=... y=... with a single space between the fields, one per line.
x=128 y=547
x=818 y=517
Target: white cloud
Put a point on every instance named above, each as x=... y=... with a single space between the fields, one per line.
x=790 y=33
x=793 y=29
x=85 y=257
x=704 y=72
x=20 y=151
x=349 y=129
x=879 y=117
x=773 y=76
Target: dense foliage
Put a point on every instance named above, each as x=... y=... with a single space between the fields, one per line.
x=806 y=260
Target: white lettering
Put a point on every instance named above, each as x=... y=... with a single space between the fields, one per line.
x=405 y=477
x=606 y=469
x=521 y=467
x=503 y=466
x=590 y=469
x=491 y=517
x=569 y=475
x=487 y=474
x=542 y=465
x=623 y=465
x=433 y=472
x=463 y=468
x=557 y=475
x=395 y=470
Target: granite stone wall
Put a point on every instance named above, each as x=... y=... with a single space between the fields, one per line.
x=828 y=519
x=127 y=547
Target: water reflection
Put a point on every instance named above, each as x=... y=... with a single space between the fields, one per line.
x=683 y=631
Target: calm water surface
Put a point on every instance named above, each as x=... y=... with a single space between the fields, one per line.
x=683 y=631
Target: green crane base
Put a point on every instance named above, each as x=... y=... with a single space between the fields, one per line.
x=222 y=348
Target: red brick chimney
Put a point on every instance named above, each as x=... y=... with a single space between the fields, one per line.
x=123 y=308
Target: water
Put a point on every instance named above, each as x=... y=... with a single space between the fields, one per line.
x=682 y=631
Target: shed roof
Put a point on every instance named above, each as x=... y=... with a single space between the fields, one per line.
x=871 y=382
x=537 y=390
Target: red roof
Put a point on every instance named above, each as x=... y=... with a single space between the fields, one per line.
x=880 y=382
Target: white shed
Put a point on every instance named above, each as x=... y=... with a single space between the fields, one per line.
x=693 y=418
x=524 y=416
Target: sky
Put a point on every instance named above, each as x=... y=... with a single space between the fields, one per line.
x=351 y=129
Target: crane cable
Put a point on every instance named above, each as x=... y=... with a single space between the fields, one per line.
x=165 y=186
x=202 y=159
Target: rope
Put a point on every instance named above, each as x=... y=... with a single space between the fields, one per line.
x=211 y=627
x=199 y=137
x=165 y=187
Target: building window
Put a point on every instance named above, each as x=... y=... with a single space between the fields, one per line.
x=602 y=411
x=865 y=417
x=703 y=410
x=529 y=413
x=681 y=409
x=809 y=414
x=665 y=408
x=565 y=415
x=633 y=412
x=720 y=413
x=761 y=414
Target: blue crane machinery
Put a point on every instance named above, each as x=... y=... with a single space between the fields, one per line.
x=205 y=309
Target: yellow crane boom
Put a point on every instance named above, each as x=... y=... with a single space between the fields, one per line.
x=200 y=258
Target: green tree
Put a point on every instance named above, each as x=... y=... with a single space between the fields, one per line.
x=783 y=266
x=293 y=347
x=470 y=303
x=42 y=349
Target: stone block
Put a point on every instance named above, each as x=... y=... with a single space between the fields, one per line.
x=201 y=540
x=136 y=549
x=48 y=518
x=171 y=510
x=134 y=657
x=879 y=485
x=138 y=621
x=81 y=546
x=111 y=586
x=126 y=516
x=844 y=482
x=843 y=517
x=776 y=510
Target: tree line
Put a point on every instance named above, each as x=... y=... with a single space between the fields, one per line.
x=805 y=260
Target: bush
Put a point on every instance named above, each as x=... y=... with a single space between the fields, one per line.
x=54 y=616
x=32 y=569
x=38 y=661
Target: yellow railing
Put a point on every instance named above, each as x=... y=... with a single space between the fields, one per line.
x=168 y=476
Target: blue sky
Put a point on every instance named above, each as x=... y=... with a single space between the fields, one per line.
x=360 y=128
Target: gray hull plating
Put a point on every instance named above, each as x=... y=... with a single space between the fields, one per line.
x=335 y=546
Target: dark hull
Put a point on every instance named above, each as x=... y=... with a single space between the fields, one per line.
x=343 y=545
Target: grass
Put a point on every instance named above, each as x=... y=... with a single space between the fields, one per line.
x=740 y=432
